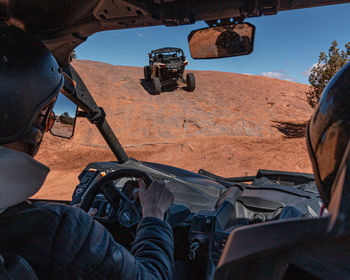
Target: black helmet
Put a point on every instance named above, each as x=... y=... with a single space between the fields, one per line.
x=30 y=79
x=329 y=131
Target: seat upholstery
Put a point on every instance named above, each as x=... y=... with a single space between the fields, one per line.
x=13 y=267
x=304 y=248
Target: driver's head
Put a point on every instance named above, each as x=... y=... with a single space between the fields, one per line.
x=30 y=80
x=329 y=131
x=228 y=43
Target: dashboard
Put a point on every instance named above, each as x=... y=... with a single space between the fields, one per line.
x=195 y=191
x=204 y=212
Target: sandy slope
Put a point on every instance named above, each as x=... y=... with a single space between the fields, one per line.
x=227 y=125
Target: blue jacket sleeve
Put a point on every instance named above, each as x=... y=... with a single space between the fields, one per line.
x=84 y=249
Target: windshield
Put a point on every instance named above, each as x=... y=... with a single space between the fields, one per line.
x=245 y=113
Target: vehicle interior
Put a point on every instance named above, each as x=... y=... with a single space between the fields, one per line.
x=269 y=226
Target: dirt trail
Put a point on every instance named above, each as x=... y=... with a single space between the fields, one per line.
x=232 y=125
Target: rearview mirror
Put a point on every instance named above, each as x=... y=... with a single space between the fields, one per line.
x=64 y=114
x=222 y=41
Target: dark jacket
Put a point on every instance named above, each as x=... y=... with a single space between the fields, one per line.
x=62 y=242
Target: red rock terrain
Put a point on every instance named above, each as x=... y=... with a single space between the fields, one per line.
x=228 y=125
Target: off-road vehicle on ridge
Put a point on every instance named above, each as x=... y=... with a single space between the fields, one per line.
x=167 y=65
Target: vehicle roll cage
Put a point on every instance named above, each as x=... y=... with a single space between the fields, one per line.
x=165 y=50
x=82 y=97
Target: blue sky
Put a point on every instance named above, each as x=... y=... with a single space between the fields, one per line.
x=286 y=44
x=63 y=104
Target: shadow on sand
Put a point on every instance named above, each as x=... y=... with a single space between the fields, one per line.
x=168 y=88
x=291 y=129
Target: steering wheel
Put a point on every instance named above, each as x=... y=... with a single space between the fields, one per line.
x=127 y=212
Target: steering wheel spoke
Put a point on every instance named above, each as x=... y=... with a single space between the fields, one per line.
x=113 y=194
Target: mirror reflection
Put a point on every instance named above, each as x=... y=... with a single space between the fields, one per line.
x=63 y=115
x=222 y=41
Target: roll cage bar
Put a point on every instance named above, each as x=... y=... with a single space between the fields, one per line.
x=64 y=25
x=82 y=97
x=164 y=50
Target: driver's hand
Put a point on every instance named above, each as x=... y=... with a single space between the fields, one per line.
x=156 y=200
